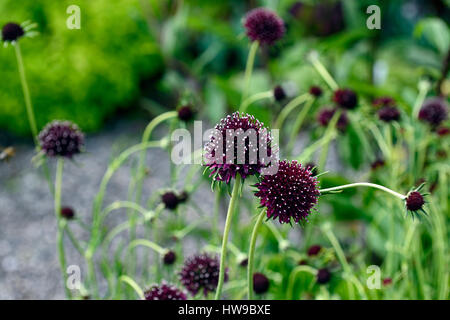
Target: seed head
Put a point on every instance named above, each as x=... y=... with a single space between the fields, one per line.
x=325 y=116
x=67 y=213
x=314 y=250
x=434 y=111
x=164 y=292
x=170 y=200
x=169 y=258
x=200 y=272
x=383 y=102
x=378 y=163
x=264 y=25
x=290 y=194
x=12 y=32
x=316 y=91
x=260 y=283
x=279 y=93
x=186 y=113
x=323 y=276
x=61 y=139
x=414 y=201
x=388 y=114
x=346 y=98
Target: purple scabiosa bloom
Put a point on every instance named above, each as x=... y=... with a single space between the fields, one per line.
x=311 y=166
x=186 y=113
x=169 y=257
x=12 y=32
x=260 y=283
x=443 y=131
x=244 y=262
x=323 y=276
x=290 y=194
x=279 y=94
x=228 y=130
x=325 y=116
x=378 y=163
x=383 y=102
x=387 y=282
x=314 y=250
x=201 y=273
x=164 y=291
x=415 y=201
x=434 y=111
x=316 y=91
x=388 y=114
x=67 y=213
x=170 y=200
x=264 y=25
x=346 y=98
x=61 y=139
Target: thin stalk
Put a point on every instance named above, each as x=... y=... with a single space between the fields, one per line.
x=133 y=285
x=26 y=93
x=249 y=69
x=256 y=97
x=298 y=124
x=61 y=224
x=294 y=103
x=228 y=224
x=251 y=253
x=216 y=216
x=74 y=240
x=331 y=127
x=364 y=184
x=323 y=72
x=293 y=277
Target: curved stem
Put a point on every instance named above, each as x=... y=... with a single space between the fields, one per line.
x=147 y=243
x=133 y=285
x=252 y=99
x=293 y=277
x=323 y=72
x=26 y=93
x=298 y=124
x=294 y=103
x=364 y=184
x=61 y=223
x=331 y=127
x=251 y=253
x=249 y=69
x=230 y=212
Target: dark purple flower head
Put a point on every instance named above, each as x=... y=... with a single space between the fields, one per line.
x=186 y=113
x=346 y=98
x=316 y=91
x=387 y=281
x=443 y=131
x=279 y=94
x=227 y=136
x=388 y=114
x=314 y=250
x=61 y=139
x=183 y=197
x=170 y=200
x=164 y=292
x=244 y=262
x=12 y=32
x=260 y=283
x=264 y=25
x=383 y=102
x=325 y=116
x=434 y=111
x=414 y=201
x=378 y=163
x=323 y=276
x=201 y=272
x=311 y=166
x=290 y=194
x=67 y=213
x=169 y=257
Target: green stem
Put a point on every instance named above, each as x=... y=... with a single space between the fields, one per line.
x=363 y=184
x=249 y=69
x=320 y=68
x=331 y=127
x=133 y=285
x=298 y=124
x=61 y=224
x=293 y=276
x=294 y=103
x=256 y=97
x=230 y=212
x=251 y=253
x=26 y=93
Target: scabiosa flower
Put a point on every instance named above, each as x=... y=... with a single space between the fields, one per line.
x=67 y=213
x=169 y=257
x=346 y=98
x=12 y=32
x=325 y=116
x=170 y=200
x=201 y=272
x=260 y=283
x=61 y=139
x=226 y=169
x=388 y=114
x=311 y=166
x=315 y=91
x=383 y=102
x=279 y=94
x=387 y=282
x=323 y=276
x=186 y=113
x=290 y=194
x=244 y=262
x=434 y=111
x=443 y=131
x=414 y=201
x=314 y=250
x=264 y=25
x=378 y=163
x=164 y=292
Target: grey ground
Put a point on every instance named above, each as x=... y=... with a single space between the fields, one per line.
x=29 y=266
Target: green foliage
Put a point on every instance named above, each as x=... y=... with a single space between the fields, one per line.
x=80 y=75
